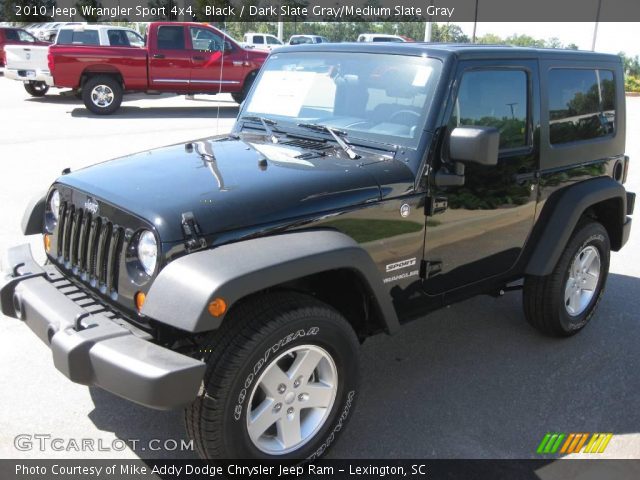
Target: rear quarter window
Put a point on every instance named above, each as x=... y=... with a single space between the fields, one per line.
x=581 y=104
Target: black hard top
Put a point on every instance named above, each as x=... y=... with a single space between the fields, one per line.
x=460 y=50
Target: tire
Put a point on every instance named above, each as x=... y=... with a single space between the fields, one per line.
x=239 y=97
x=558 y=304
x=36 y=89
x=102 y=94
x=256 y=344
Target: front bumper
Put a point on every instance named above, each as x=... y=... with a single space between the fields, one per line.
x=91 y=348
x=29 y=75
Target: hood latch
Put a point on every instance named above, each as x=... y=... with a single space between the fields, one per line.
x=194 y=239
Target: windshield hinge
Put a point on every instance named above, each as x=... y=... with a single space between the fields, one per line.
x=192 y=233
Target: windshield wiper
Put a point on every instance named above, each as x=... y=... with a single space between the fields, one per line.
x=266 y=124
x=336 y=134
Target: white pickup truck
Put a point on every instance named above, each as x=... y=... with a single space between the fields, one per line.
x=29 y=64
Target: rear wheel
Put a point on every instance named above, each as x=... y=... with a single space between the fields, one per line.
x=102 y=94
x=36 y=89
x=280 y=383
x=562 y=303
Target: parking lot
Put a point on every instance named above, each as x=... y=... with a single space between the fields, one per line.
x=470 y=381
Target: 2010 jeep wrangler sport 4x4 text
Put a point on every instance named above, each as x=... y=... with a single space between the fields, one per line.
x=362 y=186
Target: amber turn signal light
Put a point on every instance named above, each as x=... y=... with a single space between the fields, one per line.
x=140 y=297
x=217 y=307
x=47 y=242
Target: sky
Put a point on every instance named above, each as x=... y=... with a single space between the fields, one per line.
x=613 y=37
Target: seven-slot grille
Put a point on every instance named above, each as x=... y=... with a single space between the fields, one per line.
x=89 y=246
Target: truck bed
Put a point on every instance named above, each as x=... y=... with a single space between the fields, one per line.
x=72 y=61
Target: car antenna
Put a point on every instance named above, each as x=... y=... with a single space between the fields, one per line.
x=224 y=41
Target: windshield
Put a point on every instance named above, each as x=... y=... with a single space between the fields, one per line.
x=377 y=97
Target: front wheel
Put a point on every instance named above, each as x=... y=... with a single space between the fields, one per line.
x=281 y=381
x=102 y=95
x=239 y=97
x=563 y=302
x=36 y=89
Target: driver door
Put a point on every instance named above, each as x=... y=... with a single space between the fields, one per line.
x=483 y=224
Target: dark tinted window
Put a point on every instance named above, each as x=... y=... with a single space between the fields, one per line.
x=581 y=104
x=171 y=38
x=80 y=37
x=494 y=98
x=258 y=39
x=118 y=38
x=386 y=39
x=11 y=35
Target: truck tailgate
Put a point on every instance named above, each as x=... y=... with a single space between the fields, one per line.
x=25 y=57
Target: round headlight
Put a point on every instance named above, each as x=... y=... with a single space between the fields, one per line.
x=54 y=204
x=148 y=251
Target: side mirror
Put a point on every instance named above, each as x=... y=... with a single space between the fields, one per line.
x=227 y=46
x=475 y=144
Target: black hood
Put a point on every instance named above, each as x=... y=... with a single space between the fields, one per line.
x=231 y=183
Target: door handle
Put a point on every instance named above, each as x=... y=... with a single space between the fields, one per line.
x=158 y=55
x=197 y=57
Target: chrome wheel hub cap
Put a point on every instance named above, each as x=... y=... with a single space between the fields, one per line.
x=102 y=96
x=292 y=399
x=584 y=274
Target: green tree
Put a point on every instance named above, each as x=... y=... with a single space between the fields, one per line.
x=630 y=64
x=490 y=39
x=448 y=32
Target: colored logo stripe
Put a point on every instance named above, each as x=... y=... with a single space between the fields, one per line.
x=574 y=443
x=550 y=443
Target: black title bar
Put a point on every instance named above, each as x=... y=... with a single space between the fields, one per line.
x=321 y=10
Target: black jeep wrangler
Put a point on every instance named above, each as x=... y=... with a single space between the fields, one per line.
x=362 y=186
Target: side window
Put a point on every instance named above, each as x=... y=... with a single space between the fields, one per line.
x=81 y=37
x=205 y=40
x=170 y=38
x=117 y=38
x=273 y=41
x=11 y=35
x=494 y=98
x=134 y=39
x=581 y=104
x=258 y=39
x=25 y=37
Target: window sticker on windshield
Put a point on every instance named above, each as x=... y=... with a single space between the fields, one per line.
x=422 y=76
x=281 y=92
x=281 y=154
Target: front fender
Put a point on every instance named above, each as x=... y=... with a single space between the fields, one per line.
x=181 y=293
x=33 y=217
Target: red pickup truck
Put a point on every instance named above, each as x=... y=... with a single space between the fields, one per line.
x=184 y=58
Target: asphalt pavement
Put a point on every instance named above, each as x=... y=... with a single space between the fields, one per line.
x=470 y=381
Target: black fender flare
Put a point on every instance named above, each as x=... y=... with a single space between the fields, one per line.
x=181 y=293
x=33 y=217
x=561 y=214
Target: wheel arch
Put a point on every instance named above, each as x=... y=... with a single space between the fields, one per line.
x=602 y=199
x=327 y=264
x=101 y=70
